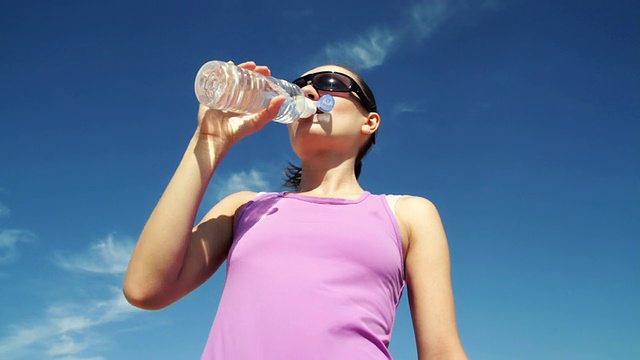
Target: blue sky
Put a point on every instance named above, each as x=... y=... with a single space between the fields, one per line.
x=518 y=119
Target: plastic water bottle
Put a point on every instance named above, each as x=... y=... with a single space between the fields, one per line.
x=223 y=86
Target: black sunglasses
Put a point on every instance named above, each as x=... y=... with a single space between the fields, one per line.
x=335 y=81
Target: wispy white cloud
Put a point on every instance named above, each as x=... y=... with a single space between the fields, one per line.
x=415 y=112
x=408 y=107
x=427 y=16
x=9 y=239
x=68 y=328
x=65 y=345
x=252 y=180
x=107 y=256
x=365 y=52
x=419 y=22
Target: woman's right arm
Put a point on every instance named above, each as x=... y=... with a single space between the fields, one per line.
x=171 y=257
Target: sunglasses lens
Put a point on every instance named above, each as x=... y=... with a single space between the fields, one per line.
x=332 y=82
x=326 y=81
x=301 y=82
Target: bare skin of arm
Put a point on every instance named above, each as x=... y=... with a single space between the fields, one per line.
x=428 y=275
x=172 y=257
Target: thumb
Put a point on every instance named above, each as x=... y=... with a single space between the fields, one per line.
x=270 y=112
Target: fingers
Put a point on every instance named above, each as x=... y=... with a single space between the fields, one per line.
x=269 y=113
x=274 y=106
x=251 y=65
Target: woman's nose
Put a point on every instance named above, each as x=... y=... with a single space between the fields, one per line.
x=310 y=92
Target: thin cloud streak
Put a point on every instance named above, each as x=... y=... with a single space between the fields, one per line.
x=67 y=329
x=9 y=239
x=253 y=180
x=107 y=256
x=428 y=16
x=365 y=52
x=66 y=345
x=408 y=107
x=372 y=49
x=418 y=23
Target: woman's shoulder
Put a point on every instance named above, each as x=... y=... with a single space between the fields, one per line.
x=410 y=202
x=240 y=197
x=418 y=219
x=414 y=210
x=414 y=201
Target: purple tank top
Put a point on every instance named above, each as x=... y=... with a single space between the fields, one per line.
x=310 y=278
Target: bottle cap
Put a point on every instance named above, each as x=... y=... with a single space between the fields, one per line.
x=325 y=103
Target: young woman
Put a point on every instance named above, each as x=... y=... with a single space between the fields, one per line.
x=315 y=273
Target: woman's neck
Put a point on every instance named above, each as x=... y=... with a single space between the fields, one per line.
x=328 y=179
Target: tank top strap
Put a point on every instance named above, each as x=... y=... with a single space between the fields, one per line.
x=392 y=200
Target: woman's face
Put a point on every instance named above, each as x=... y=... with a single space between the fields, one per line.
x=344 y=127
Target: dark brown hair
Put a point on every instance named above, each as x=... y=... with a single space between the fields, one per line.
x=293 y=173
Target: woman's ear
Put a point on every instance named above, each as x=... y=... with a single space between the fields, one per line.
x=371 y=124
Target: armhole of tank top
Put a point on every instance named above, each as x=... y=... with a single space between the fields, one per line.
x=391 y=204
x=392 y=200
x=239 y=214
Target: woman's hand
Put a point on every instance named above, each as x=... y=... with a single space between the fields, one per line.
x=228 y=127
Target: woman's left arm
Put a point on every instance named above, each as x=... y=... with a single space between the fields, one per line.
x=428 y=276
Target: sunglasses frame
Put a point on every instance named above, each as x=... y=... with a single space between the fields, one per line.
x=353 y=87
